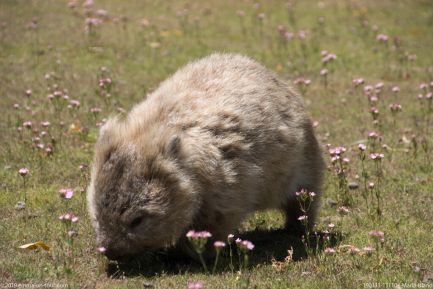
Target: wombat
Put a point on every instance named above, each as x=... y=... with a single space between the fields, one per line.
x=221 y=138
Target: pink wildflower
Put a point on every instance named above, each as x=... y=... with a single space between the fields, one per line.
x=368 y=89
x=376 y=234
x=219 y=244
x=302 y=34
x=105 y=82
x=198 y=234
x=368 y=250
x=245 y=244
x=57 y=94
x=357 y=81
x=353 y=250
x=376 y=156
x=374 y=111
x=379 y=86
x=373 y=135
x=88 y=4
x=66 y=193
x=195 y=285
x=382 y=38
x=45 y=123
x=423 y=86
x=303 y=217
x=101 y=250
x=27 y=124
x=289 y=35
x=395 y=107
x=75 y=103
x=330 y=251
x=337 y=151
x=302 y=81
x=23 y=172
x=328 y=57
x=343 y=210
x=68 y=217
x=95 y=110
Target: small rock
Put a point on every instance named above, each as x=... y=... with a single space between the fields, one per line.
x=331 y=202
x=20 y=206
x=353 y=185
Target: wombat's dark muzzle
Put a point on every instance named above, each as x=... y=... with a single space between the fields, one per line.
x=119 y=255
x=115 y=255
x=112 y=250
x=112 y=254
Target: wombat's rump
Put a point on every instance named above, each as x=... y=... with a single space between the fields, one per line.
x=221 y=138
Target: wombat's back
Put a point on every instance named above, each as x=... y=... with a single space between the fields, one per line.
x=244 y=130
x=228 y=83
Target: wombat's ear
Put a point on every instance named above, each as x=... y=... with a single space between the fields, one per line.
x=174 y=146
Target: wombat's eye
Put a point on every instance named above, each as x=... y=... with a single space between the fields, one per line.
x=135 y=222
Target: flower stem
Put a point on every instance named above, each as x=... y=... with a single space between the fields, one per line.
x=203 y=263
x=216 y=261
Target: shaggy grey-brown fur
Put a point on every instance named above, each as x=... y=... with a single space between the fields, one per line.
x=222 y=138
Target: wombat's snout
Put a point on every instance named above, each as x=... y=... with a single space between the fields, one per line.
x=116 y=254
x=123 y=250
x=121 y=255
x=112 y=254
x=111 y=251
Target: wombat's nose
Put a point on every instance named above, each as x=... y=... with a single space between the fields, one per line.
x=112 y=254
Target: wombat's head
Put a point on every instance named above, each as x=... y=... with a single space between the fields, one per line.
x=138 y=198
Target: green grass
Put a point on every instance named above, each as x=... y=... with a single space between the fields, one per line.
x=140 y=57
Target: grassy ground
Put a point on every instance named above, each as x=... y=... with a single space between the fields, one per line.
x=48 y=48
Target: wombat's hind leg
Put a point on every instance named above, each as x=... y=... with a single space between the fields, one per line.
x=309 y=178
